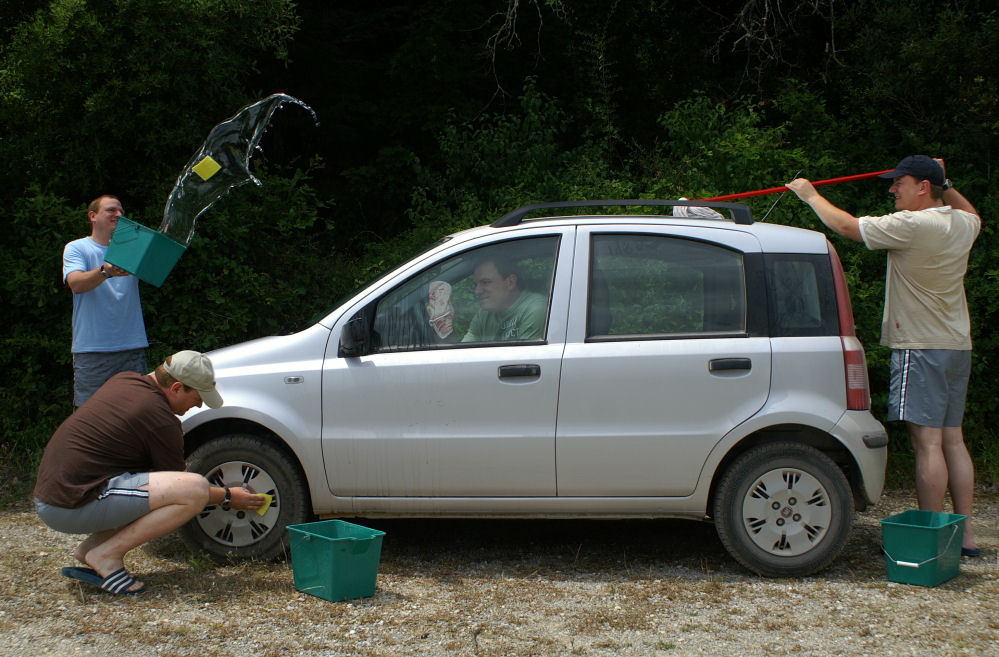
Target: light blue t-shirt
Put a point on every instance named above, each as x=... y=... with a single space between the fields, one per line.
x=109 y=317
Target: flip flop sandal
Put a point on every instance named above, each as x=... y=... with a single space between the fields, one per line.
x=116 y=583
x=81 y=569
x=119 y=582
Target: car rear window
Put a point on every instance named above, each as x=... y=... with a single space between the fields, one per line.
x=802 y=297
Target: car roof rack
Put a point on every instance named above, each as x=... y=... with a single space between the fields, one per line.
x=741 y=214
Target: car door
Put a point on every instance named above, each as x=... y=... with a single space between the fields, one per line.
x=660 y=361
x=436 y=411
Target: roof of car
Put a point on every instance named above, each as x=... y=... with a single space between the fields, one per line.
x=773 y=238
x=737 y=212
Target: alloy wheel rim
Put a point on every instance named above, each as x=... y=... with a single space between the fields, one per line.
x=238 y=528
x=786 y=512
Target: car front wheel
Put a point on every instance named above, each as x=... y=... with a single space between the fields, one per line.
x=248 y=461
x=783 y=510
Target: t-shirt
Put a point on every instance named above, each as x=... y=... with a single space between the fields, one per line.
x=126 y=426
x=109 y=317
x=925 y=304
x=524 y=320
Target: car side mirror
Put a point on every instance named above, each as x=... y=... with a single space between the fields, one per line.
x=355 y=339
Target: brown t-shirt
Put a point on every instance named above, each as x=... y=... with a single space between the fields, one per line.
x=126 y=426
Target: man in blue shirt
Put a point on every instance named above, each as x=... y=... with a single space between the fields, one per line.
x=109 y=335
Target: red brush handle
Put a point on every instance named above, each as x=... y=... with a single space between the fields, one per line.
x=784 y=188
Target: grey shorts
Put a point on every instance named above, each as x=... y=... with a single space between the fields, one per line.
x=121 y=502
x=928 y=386
x=92 y=369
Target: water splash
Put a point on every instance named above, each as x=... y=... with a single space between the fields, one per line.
x=222 y=163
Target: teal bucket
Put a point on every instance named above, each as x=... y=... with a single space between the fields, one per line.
x=142 y=251
x=335 y=560
x=923 y=547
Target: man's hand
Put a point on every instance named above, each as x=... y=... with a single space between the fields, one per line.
x=939 y=160
x=113 y=270
x=804 y=189
x=241 y=498
x=838 y=220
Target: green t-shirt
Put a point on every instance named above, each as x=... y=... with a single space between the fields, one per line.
x=524 y=320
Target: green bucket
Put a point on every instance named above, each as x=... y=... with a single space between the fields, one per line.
x=139 y=250
x=335 y=560
x=923 y=547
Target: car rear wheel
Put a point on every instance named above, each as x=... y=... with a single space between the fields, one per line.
x=783 y=510
x=254 y=463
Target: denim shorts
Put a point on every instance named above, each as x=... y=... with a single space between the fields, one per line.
x=92 y=369
x=121 y=502
x=928 y=386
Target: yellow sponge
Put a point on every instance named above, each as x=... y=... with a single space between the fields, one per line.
x=206 y=168
x=262 y=510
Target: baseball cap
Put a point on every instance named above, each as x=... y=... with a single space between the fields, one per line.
x=194 y=370
x=919 y=167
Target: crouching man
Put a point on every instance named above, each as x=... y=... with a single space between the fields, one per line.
x=114 y=469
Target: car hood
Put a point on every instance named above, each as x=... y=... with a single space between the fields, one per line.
x=275 y=353
x=304 y=345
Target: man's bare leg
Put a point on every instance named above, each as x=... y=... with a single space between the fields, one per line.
x=91 y=542
x=931 y=466
x=961 y=472
x=174 y=498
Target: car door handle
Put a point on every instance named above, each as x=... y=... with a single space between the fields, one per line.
x=526 y=369
x=725 y=364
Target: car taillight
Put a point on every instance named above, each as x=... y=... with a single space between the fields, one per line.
x=846 y=324
x=858 y=394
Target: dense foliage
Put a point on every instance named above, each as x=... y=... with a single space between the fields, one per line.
x=438 y=116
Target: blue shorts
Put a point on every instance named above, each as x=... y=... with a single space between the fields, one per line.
x=122 y=502
x=92 y=369
x=928 y=386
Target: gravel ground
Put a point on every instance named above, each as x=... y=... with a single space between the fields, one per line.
x=448 y=587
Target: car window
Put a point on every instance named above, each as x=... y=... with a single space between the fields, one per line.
x=645 y=286
x=802 y=297
x=494 y=294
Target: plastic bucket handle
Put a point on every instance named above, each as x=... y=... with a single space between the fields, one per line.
x=912 y=564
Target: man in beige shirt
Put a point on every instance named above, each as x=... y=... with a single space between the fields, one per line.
x=926 y=321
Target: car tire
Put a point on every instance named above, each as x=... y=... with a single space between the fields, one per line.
x=783 y=510
x=256 y=464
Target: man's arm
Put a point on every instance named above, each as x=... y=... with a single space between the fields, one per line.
x=475 y=327
x=531 y=322
x=836 y=219
x=84 y=281
x=954 y=198
x=239 y=498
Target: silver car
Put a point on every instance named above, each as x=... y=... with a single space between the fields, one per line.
x=649 y=366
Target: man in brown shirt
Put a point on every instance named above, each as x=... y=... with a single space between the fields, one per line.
x=115 y=468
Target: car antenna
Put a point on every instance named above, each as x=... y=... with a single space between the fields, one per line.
x=779 y=198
